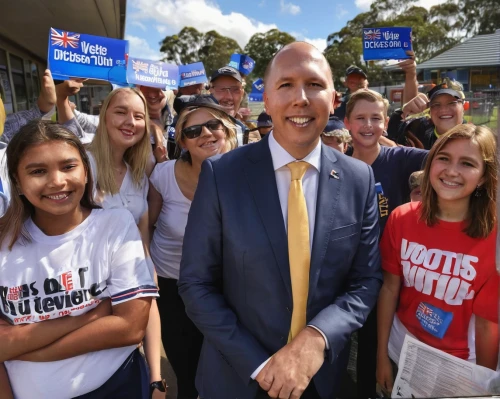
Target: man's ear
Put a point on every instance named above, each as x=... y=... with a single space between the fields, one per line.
x=266 y=101
x=332 y=105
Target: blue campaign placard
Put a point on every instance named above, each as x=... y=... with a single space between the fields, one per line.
x=192 y=74
x=86 y=56
x=257 y=91
x=258 y=86
x=242 y=63
x=386 y=43
x=152 y=73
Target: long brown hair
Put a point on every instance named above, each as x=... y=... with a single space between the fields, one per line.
x=136 y=156
x=35 y=133
x=481 y=216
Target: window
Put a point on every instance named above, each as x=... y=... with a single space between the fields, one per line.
x=17 y=70
x=5 y=88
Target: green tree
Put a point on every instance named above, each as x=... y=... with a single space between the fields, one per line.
x=190 y=45
x=434 y=31
x=262 y=47
x=480 y=16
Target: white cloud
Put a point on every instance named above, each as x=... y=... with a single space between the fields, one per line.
x=363 y=5
x=319 y=43
x=139 y=48
x=341 y=11
x=170 y=16
x=289 y=8
x=139 y=25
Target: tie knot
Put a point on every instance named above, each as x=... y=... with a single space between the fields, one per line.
x=298 y=169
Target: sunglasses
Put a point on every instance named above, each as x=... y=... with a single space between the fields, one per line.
x=194 y=131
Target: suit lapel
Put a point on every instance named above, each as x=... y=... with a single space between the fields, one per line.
x=329 y=185
x=259 y=172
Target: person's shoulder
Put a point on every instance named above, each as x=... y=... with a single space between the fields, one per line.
x=113 y=218
x=162 y=167
x=409 y=212
x=238 y=155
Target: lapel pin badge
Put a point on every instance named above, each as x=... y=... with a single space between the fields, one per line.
x=334 y=174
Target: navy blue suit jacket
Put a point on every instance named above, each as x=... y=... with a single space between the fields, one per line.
x=235 y=278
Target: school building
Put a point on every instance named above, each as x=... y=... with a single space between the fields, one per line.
x=24 y=34
x=475 y=63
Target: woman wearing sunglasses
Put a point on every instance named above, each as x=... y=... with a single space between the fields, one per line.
x=202 y=131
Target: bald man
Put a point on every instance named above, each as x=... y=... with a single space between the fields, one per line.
x=277 y=307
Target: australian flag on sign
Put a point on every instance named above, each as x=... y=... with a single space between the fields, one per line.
x=64 y=39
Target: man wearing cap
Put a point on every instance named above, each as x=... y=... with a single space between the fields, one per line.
x=446 y=109
x=336 y=135
x=226 y=86
x=264 y=126
x=355 y=79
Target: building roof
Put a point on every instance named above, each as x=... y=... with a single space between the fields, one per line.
x=478 y=51
x=26 y=23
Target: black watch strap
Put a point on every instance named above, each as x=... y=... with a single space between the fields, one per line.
x=160 y=385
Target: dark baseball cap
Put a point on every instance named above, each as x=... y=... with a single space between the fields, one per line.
x=333 y=126
x=442 y=89
x=199 y=101
x=354 y=69
x=226 y=71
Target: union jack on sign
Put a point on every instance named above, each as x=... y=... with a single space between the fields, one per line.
x=64 y=39
x=424 y=309
x=372 y=34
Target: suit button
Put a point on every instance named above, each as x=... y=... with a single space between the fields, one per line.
x=288 y=309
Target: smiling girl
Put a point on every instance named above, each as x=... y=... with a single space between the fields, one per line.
x=438 y=257
x=203 y=130
x=119 y=155
x=62 y=256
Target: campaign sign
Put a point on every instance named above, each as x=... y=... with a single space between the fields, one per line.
x=258 y=86
x=152 y=73
x=242 y=63
x=257 y=91
x=87 y=56
x=192 y=74
x=386 y=43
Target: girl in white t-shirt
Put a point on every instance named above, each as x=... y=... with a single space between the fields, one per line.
x=203 y=130
x=62 y=256
x=119 y=154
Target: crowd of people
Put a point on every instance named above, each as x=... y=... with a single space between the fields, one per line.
x=287 y=258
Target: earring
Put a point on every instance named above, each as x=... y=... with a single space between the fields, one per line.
x=478 y=192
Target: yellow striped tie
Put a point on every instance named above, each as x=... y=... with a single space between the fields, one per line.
x=299 y=252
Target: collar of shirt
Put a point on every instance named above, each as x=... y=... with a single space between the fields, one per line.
x=281 y=157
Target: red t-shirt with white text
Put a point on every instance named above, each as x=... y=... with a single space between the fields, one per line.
x=447 y=276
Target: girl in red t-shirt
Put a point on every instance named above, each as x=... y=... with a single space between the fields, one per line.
x=438 y=257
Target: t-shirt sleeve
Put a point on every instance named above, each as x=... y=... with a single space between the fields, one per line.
x=485 y=303
x=415 y=160
x=389 y=250
x=130 y=277
x=159 y=177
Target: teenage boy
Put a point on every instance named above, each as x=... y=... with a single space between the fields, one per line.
x=366 y=118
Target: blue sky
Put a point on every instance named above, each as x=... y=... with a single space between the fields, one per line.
x=149 y=21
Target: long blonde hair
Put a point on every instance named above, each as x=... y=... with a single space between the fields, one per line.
x=136 y=156
x=481 y=217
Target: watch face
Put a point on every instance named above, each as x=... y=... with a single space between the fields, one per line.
x=160 y=385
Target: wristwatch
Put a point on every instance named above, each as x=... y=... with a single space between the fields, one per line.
x=160 y=385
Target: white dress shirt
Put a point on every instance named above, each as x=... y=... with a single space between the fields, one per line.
x=283 y=175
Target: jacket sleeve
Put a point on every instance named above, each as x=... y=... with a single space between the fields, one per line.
x=350 y=309
x=200 y=281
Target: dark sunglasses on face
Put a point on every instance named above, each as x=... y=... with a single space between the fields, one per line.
x=194 y=131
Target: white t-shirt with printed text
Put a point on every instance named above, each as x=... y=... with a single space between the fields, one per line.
x=56 y=276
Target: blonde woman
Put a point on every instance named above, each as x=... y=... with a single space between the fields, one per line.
x=203 y=130
x=119 y=155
